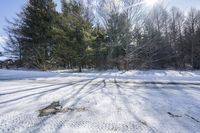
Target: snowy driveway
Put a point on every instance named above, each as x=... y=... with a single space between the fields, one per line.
x=112 y=104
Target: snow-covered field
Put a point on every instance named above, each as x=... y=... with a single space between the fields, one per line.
x=114 y=101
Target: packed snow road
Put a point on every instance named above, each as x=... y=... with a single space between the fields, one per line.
x=131 y=102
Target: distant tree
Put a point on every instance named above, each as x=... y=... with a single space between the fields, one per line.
x=156 y=47
x=78 y=33
x=99 y=48
x=119 y=31
x=176 y=25
x=107 y=34
x=190 y=41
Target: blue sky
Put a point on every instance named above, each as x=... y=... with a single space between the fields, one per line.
x=9 y=8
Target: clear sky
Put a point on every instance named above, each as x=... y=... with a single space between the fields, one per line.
x=9 y=8
x=184 y=5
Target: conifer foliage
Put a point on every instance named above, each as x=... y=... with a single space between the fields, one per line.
x=113 y=37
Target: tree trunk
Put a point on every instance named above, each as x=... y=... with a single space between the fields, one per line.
x=80 y=69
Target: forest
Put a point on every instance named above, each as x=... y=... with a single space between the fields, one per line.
x=110 y=35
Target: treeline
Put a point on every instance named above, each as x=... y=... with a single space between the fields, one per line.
x=105 y=36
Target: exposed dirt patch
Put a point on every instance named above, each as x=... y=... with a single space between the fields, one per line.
x=55 y=108
x=143 y=122
x=173 y=115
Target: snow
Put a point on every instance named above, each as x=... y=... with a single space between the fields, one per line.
x=115 y=101
x=3 y=58
x=22 y=74
x=3 y=40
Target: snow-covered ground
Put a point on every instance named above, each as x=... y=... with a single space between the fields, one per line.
x=115 y=101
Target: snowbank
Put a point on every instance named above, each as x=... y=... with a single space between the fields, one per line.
x=137 y=76
x=145 y=76
x=3 y=58
x=22 y=74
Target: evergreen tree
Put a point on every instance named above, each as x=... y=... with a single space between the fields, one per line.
x=99 y=48
x=33 y=33
x=80 y=29
x=120 y=37
x=46 y=39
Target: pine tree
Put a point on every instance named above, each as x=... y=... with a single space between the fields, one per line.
x=78 y=34
x=32 y=32
x=99 y=48
x=119 y=30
